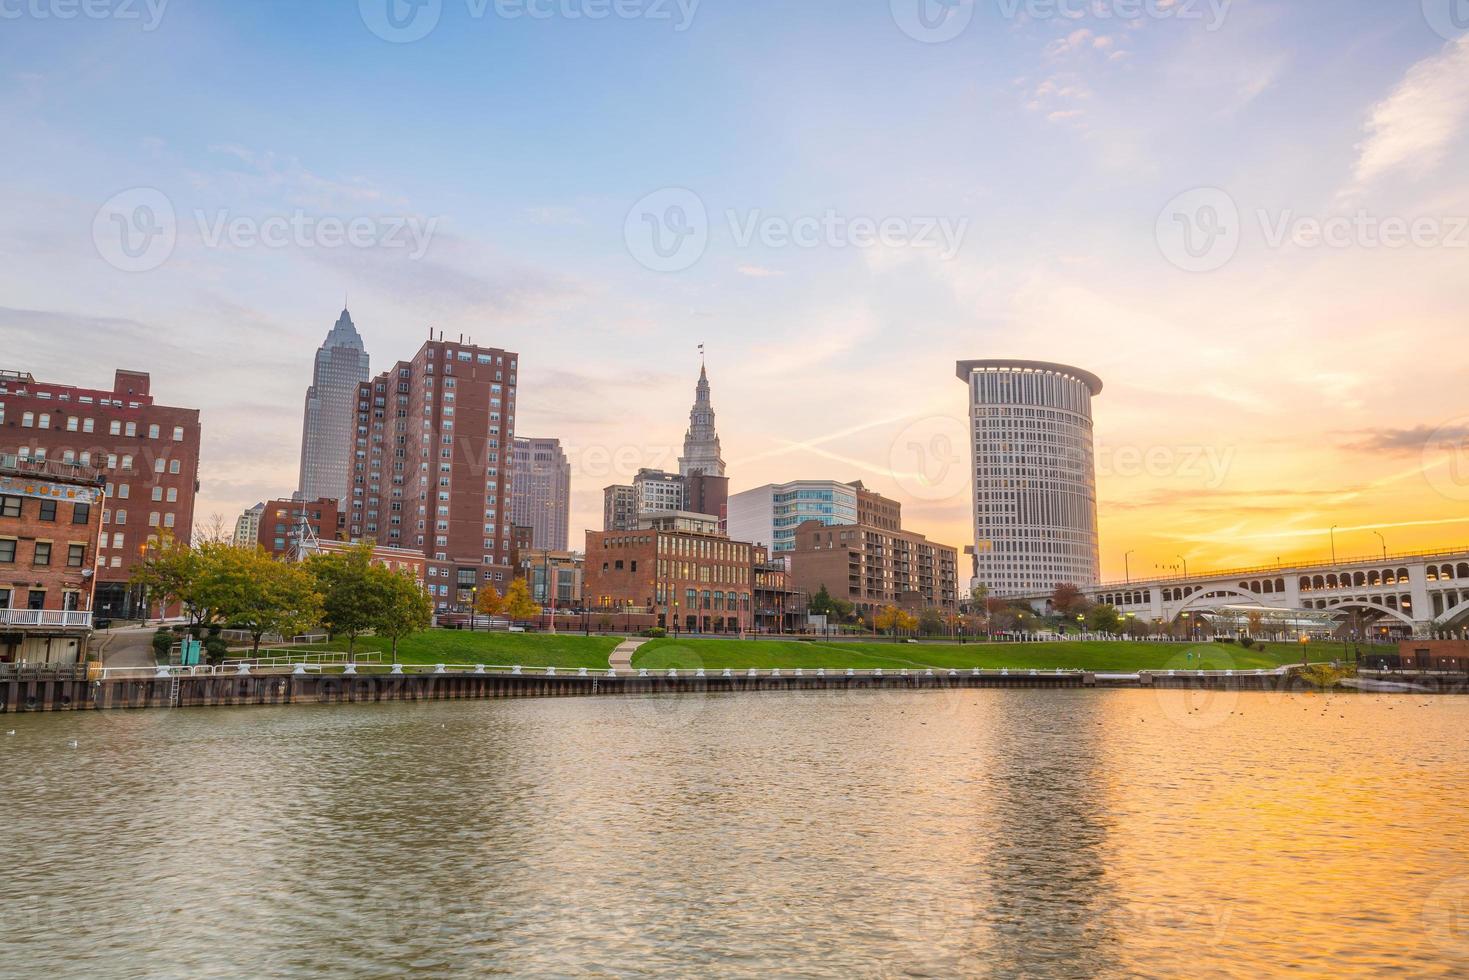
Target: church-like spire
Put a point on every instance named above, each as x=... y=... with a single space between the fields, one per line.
x=701 y=453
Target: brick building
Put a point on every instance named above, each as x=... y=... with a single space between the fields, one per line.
x=50 y=519
x=280 y=523
x=779 y=606
x=690 y=581
x=430 y=465
x=393 y=559
x=873 y=566
x=148 y=455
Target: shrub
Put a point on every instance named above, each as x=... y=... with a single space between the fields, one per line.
x=654 y=632
x=215 y=649
x=162 y=643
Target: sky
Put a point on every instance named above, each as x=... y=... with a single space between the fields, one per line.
x=1250 y=218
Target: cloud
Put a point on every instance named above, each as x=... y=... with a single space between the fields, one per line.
x=1413 y=127
x=1403 y=440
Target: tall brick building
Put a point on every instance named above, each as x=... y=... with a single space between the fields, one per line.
x=430 y=465
x=147 y=453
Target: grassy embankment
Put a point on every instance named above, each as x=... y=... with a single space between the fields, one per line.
x=1070 y=655
x=503 y=649
x=574 y=650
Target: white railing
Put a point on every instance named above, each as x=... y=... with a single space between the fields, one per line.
x=45 y=617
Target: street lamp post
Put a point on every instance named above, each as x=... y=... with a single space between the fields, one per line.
x=473 y=605
x=1185 y=565
x=1127 y=567
x=1333 y=543
x=1384 y=544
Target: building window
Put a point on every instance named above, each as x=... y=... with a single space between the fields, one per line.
x=75 y=555
x=7 y=550
x=48 y=510
x=153 y=431
x=173 y=466
x=114 y=428
x=81 y=513
x=9 y=506
x=131 y=429
x=43 y=553
x=178 y=433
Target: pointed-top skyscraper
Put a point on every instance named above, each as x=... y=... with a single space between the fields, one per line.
x=701 y=442
x=341 y=365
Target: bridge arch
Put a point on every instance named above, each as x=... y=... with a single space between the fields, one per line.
x=1449 y=615
x=1376 y=607
x=1210 y=595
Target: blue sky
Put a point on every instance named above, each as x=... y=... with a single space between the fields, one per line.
x=523 y=143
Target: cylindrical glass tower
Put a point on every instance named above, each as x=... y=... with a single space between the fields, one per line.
x=1035 y=478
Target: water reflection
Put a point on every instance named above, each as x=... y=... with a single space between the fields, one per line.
x=1070 y=833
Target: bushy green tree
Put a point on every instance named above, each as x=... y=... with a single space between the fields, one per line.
x=404 y=607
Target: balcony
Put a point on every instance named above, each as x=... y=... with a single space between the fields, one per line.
x=47 y=618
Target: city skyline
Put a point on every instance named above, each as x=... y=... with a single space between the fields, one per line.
x=1255 y=397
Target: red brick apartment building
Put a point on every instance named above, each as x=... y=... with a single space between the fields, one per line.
x=430 y=465
x=50 y=517
x=692 y=581
x=875 y=564
x=280 y=523
x=148 y=455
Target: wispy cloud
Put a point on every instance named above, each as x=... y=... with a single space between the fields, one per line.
x=1413 y=127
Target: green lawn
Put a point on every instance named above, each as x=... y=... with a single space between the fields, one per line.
x=1078 y=655
x=504 y=649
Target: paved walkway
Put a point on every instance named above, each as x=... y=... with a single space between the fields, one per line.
x=621 y=658
x=128 y=646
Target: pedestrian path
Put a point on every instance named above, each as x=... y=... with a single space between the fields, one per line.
x=621 y=658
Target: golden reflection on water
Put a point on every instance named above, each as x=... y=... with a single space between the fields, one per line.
x=994 y=833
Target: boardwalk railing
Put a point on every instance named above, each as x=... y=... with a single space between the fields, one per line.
x=77 y=618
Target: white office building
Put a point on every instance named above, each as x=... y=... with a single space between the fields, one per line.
x=1035 y=480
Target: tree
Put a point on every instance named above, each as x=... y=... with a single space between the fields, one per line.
x=169 y=572
x=404 y=608
x=821 y=603
x=1068 y=601
x=352 y=597
x=1104 y=619
x=979 y=593
x=895 y=619
x=489 y=602
x=931 y=621
x=518 y=602
x=248 y=588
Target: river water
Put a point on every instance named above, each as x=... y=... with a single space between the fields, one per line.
x=980 y=833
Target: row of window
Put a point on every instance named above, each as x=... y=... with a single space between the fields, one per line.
x=76 y=553
x=46 y=510
x=75 y=423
